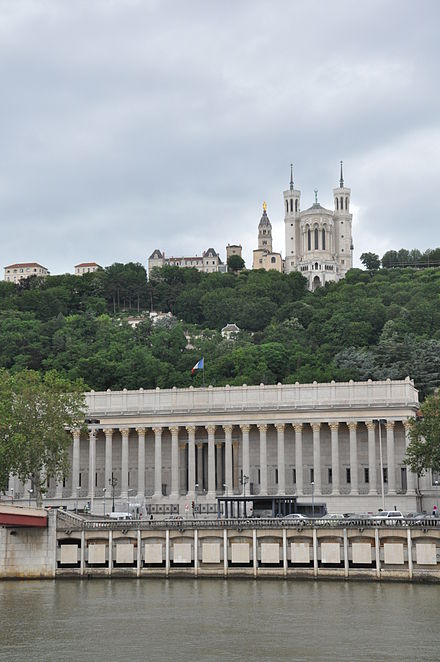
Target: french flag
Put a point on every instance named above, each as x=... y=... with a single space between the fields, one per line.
x=198 y=366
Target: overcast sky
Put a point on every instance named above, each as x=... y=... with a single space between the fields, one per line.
x=130 y=125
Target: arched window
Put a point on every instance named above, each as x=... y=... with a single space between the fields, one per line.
x=287 y=205
x=316 y=266
x=309 y=240
x=316 y=238
x=273 y=260
x=342 y=203
x=346 y=203
x=291 y=204
x=323 y=240
x=296 y=204
x=337 y=204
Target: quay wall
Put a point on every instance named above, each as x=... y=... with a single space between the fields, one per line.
x=249 y=548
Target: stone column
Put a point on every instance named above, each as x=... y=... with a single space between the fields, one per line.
x=157 y=462
x=191 y=460
x=299 y=459
x=372 y=469
x=354 y=477
x=183 y=467
x=228 y=459
x=281 y=459
x=200 y=465
x=317 y=457
x=124 y=463
x=108 y=457
x=141 y=462
x=334 y=431
x=263 y=459
x=174 y=462
x=391 y=462
x=75 y=462
x=246 y=459
x=235 y=451
x=218 y=466
x=92 y=460
x=411 y=478
x=211 y=461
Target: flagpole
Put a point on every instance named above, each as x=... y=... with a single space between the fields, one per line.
x=203 y=372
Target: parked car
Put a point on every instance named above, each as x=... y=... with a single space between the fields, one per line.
x=120 y=516
x=391 y=517
x=297 y=517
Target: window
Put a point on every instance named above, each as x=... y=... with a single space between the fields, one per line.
x=294 y=476
x=259 y=476
x=296 y=205
x=337 y=204
x=273 y=260
x=79 y=479
x=330 y=476
x=385 y=474
x=435 y=478
x=64 y=481
x=312 y=475
x=323 y=240
x=316 y=238
x=346 y=203
x=342 y=203
x=291 y=204
x=276 y=476
x=309 y=240
x=366 y=475
x=96 y=479
x=348 y=475
x=287 y=205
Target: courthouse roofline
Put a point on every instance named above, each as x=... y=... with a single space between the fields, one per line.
x=398 y=397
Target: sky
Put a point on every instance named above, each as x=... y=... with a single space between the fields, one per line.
x=130 y=125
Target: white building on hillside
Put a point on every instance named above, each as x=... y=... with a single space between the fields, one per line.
x=14 y=273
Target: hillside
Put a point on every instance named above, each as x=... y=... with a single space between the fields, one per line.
x=370 y=325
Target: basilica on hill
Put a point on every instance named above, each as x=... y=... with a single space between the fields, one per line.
x=318 y=241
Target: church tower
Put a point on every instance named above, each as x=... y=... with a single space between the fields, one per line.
x=343 y=226
x=265 y=232
x=291 y=224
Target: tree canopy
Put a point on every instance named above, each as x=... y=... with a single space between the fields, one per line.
x=36 y=412
x=423 y=452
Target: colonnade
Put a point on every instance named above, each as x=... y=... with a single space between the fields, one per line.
x=218 y=456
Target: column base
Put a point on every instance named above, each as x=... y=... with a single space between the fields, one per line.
x=174 y=495
x=157 y=495
x=373 y=493
x=211 y=495
x=336 y=492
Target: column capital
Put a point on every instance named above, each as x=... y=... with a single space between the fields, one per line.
x=334 y=426
x=235 y=444
x=227 y=429
x=200 y=444
x=219 y=444
x=352 y=425
x=191 y=429
x=370 y=425
x=182 y=445
x=316 y=427
x=245 y=428
x=298 y=427
x=125 y=431
x=210 y=429
x=76 y=433
x=174 y=430
x=262 y=427
x=157 y=429
x=140 y=431
x=390 y=425
x=407 y=425
x=108 y=432
x=280 y=427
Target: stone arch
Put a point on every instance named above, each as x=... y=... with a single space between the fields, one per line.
x=316 y=282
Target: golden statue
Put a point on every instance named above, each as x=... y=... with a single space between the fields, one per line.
x=264 y=206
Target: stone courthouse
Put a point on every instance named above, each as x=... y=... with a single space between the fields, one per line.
x=167 y=448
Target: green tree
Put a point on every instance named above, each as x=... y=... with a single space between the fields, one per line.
x=371 y=261
x=235 y=263
x=36 y=413
x=423 y=451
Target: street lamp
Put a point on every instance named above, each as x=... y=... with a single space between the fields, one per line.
x=113 y=482
x=313 y=498
x=77 y=497
x=195 y=499
x=244 y=480
x=31 y=491
x=436 y=496
x=12 y=495
x=379 y=422
x=104 y=490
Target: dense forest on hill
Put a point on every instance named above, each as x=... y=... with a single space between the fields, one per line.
x=372 y=324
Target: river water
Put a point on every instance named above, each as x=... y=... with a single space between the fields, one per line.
x=190 y=620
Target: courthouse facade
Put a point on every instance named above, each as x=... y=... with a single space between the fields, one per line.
x=166 y=448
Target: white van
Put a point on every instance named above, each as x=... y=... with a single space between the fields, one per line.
x=120 y=516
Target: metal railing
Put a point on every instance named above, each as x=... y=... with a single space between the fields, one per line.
x=68 y=521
